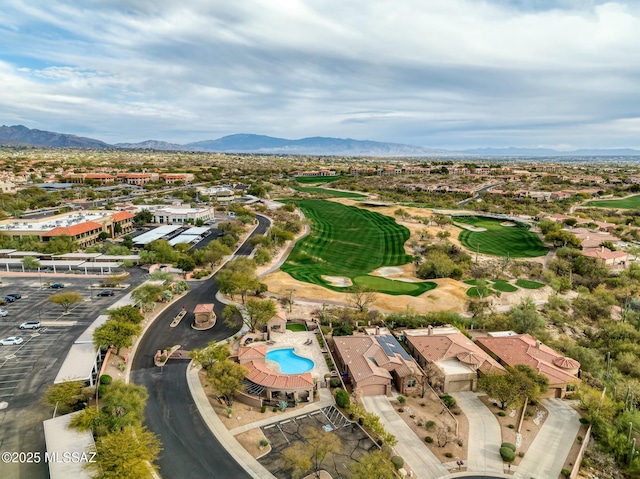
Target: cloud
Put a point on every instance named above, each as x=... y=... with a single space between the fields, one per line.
x=448 y=73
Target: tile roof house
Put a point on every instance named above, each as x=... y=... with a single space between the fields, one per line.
x=525 y=349
x=458 y=359
x=373 y=362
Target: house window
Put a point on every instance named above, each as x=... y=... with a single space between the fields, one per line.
x=411 y=383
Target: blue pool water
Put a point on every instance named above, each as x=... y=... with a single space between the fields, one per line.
x=290 y=362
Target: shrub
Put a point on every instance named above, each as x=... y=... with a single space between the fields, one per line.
x=584 y=420
x=342 y=398
x=335 y=383
x=511 y=426
x=428 y=440
x=101 y=390
x=397 y=462
x=448 y=454
x=105 y=379
x=448 y=401
x=163 y=358
x=430 y=425
x=507 y=454
x=275 y=409
x=422 y=404
x=501 y=413
x=263 y=409
x=402 y=400
x=509 y=445
x=263 y=442
x=579 y=438
x=565 y=472
x=521 y=454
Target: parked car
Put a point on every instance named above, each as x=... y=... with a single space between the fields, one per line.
x=106 y=292
x=56 y=286
x=11 y=340
x=15 y=295
x=8 y=299
x=3 y=312
x=30 y=325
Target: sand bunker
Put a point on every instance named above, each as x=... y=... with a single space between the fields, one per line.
x=507 y=223
x=338 y=281
x=387 y=271
x=469 y=227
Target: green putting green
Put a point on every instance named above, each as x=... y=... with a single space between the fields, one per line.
x=504 y=286
x=314 y=180
x=633 y=202
x=475 y=292
x=528 y=284
x=328 y=192
x=350 y=242
x=513 y=241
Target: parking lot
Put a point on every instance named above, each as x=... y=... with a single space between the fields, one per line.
x=17 y=361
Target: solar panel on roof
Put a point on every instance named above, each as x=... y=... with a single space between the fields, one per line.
x=391 y=346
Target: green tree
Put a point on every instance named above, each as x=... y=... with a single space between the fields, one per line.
x=320 y=444
x=66 y=299
x=186 y=264
x=238 y=277
x=64 y=396
x=127 y=313
x=160 y=275
x=143 y=217
x=117 y=333
x=209 y=355
x=127 y=241
x=374 y=465
x=61 y=245
x=126 y=454
x=147 y=294
x=123 y=405
x=296 y=460
x=525 y=317
x=259 y=312
x=29 y=263
x=164 y=252
x=226 y=378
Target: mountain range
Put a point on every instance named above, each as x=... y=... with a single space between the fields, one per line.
x=19 y=135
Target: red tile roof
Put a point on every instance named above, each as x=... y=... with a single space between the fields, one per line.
x=73 y=230
x=203 y=308
x=525 y=349
x=99 y=176
x=252 y=352
x=260 y=374
x=436 y=347
x=122 y=215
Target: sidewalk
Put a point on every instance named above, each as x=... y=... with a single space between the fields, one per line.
x=415 y=453
x=552 y=444
x=484 y=434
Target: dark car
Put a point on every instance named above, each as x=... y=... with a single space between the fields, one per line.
x=56 y=286
x=15 y=295
x=105 y=292
x=8 y=299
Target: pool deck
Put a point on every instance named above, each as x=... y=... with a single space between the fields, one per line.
x=296 y=340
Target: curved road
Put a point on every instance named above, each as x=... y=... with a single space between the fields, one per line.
x=189 y=447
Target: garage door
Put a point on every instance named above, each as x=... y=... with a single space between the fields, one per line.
x=457 y=386
x=374 y=390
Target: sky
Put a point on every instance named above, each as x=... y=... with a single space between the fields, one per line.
x=452 y=74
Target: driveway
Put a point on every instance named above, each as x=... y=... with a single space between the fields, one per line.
x=415 y=452
x=552 y=444
x=484 y=434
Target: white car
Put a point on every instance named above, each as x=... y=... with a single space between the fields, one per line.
x=11 y=340
x=3 y=312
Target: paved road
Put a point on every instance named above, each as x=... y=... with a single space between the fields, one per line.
x=484 y=434
x=190 y=449
x=417 y=455
x=552 y=444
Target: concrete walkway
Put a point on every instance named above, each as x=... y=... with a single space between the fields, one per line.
x=552 y=444
x=484 y=434
x=413 y=450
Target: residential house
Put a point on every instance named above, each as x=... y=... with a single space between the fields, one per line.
x=511 y=349
x=457 y=358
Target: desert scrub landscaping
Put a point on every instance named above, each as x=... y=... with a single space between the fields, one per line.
x=498 y=240
x=346 y=241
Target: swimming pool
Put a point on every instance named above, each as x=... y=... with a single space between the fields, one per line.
x=290 y=362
